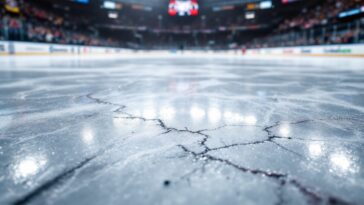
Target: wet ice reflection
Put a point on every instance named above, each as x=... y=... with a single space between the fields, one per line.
x=28 y=167
x=284 y=130
x=182 y=87
x=214 y=115
x=236 y=118
x=197 y=113
x=87 y=135
x=167 y=113
x=343 y=163
x=250 y=120
x=315 y=149
x=231 y=117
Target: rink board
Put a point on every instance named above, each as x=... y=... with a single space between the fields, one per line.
x=28 y=48
x=352 y=50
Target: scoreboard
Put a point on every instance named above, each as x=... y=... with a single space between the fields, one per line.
x=183 y=8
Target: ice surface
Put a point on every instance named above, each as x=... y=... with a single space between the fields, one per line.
x=181 y=130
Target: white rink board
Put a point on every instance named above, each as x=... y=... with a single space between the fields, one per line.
x=337 y=50
x=28 y=48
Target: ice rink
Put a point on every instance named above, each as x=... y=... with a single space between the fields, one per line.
x=167 y=130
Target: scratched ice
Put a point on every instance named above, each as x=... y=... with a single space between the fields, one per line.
x=181 y=130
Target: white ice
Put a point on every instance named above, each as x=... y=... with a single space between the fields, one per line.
x=181 y=129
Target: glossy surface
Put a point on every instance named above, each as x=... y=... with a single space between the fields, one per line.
x=181 y=130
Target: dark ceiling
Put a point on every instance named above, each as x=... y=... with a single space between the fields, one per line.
x=204 y=2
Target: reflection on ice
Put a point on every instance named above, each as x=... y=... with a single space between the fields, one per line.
x=315 y=149
x=342 y=163
x=284 y=130
x=87 y=135
x=167 y=112
x=250 y=120
x=214 y=115
x=231 y=117
x=28 y=166
x=197 y=113
x=236 y=118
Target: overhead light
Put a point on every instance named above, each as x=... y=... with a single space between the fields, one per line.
x=113 y=15
x=109 y=5
x=265 y=5
x=350 y=13
x=250 y=15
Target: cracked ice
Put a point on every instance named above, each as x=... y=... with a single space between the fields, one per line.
x=181 y=131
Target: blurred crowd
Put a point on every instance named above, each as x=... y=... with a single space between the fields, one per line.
x=322 y=14
x=317 y=26
x=346 y=33
x=37 y=25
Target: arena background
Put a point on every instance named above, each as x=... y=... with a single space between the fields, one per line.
x=190 y=102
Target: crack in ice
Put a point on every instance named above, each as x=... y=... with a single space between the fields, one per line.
x=314 y=197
